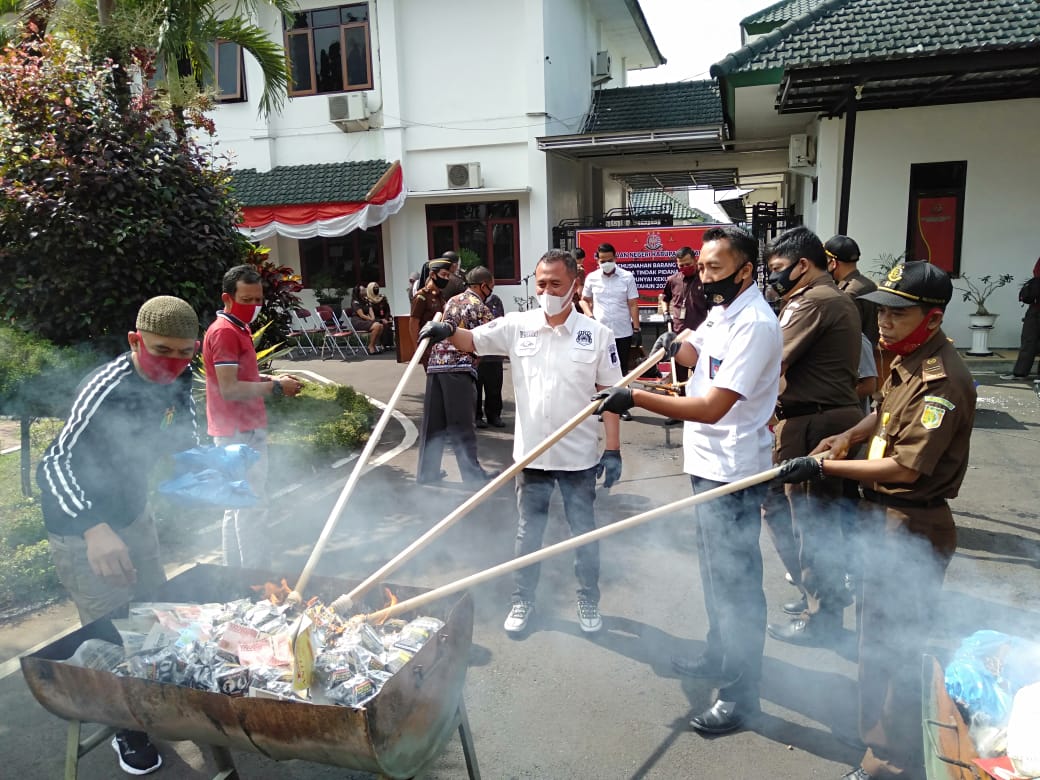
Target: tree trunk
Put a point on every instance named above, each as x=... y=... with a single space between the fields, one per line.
x=26 y=455
x=104 y=11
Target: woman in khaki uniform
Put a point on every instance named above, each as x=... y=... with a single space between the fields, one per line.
x=917 y=454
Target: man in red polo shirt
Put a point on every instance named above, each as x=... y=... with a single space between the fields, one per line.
x=235 y=413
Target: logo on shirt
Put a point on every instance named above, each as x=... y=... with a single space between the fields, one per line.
x=932 y=416
x=613 y=354
x=528 y=334
x=583 y=338
x=713 y=366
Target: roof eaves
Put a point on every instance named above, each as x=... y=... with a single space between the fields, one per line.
x=739 y=59
x=644 y=31
x=754 y=19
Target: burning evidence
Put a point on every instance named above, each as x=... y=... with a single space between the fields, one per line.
x=263 y=649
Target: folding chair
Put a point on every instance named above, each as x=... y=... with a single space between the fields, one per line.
x=339 y=335
x=301 y=328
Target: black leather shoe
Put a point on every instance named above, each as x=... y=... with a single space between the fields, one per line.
x=480 y=423
x=857 y=774
x=714 y=721
x=802 y=632
x=700 y=666
x=796 y=607
x=497 y=423
x=625 y=416
x=672 y=421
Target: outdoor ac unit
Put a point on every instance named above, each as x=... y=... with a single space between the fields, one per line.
x=800 y=154
x=349 y=112
x=601 y=68
x=463 y=176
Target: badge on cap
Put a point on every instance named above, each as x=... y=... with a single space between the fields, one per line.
x=895 y=273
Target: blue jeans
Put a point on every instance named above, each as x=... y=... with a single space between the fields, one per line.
x=534 y=487
x=731 y=576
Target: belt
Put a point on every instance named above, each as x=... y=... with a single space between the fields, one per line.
x=786 y=411
x=902 y=503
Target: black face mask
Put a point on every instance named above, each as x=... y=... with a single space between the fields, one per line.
x=781 y=281
x=724 y=291
x=441 y=283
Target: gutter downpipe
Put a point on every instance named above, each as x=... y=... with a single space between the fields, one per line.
x=846 y=165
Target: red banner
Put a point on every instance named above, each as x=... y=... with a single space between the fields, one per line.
x=935 y=231
x=647 y=253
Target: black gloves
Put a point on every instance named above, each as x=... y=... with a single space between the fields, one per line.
x=614 y=399
x=667 y=342
x=610 y=466
x=803 y=469
x=436 y=331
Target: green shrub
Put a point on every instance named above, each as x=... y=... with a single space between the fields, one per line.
x=27 y=575
x=327 y=418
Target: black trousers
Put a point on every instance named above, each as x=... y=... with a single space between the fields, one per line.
x=1030 y=342
x=624 y=349
x=489 y=385
x=448 y=414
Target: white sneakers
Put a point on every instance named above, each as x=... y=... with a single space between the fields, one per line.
x=588 y=617
x=519 y=614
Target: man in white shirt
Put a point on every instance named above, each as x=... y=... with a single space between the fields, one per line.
x=611 y=293
x=735 y=356
x=558 y=358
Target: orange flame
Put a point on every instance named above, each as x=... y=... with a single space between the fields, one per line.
x=276 y=593
x=391 y=600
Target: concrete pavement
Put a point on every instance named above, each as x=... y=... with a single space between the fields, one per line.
x=559 y=704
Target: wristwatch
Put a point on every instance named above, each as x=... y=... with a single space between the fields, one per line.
x=276 y=388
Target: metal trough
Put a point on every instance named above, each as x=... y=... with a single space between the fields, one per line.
x=396 y=734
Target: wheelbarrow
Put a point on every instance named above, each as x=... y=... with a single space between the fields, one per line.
x=397 y=734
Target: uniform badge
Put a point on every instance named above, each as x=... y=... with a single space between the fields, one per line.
x=613 y=354
x=895 y=273
x=713 y=366
x=932 y=416
x=583 y=338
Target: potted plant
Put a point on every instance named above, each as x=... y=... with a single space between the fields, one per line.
x=981 y=321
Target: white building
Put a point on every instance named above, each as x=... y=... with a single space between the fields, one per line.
x=456 y=92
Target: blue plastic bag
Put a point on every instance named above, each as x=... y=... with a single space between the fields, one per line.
x=987 y=670
x=208 y=488
x=231 y=460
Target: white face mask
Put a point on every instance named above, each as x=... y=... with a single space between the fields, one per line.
x=607 y=266
x=555 y=304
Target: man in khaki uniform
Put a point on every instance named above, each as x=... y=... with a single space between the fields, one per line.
x=918 y=443
x=842 y=257
x=821 y=331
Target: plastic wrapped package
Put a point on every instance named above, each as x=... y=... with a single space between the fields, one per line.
x=1023 y=731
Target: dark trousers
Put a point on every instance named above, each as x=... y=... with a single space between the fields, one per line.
x=534 y=487
x=727 y=532
x=624 y=350
x=448 y=414
x=489 y=385
x=1030 y=342
x=776 y=516
x=906 y=553
x=816 y=509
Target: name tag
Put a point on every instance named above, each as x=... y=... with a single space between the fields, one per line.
x=877 y=448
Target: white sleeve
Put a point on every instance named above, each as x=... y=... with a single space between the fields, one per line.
x=633 y=291
x=495 y=337
x=608 y=369
x=754 y=348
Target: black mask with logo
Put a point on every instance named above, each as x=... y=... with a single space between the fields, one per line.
x=781 y=281
x=724 y=291
x=441 y=283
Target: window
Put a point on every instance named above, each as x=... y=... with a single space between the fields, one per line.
x=330 y=50
x=226 y=78
x=490 y=230
x=935 y=218
x=343 y=261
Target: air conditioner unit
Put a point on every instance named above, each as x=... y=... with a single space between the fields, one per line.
x=800 y=153
x=601 y=68
x=463 y=176
x=349 y=112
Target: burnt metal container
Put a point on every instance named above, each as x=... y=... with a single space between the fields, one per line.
x=396 y=733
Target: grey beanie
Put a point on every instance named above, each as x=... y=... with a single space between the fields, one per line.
x=168 y=316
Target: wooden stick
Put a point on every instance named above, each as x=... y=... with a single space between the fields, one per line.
x=346 y=601
x=330 y=525
x=569 y=544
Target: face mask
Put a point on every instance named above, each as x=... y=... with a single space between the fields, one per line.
x=781 y=281
x=688 y=270
x=555 y=304
x=607 y=266
x=724 y=291
x=156 y=368
x=440 y=283
x=913 y=340
x=244 y=312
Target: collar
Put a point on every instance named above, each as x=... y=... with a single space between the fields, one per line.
x=823 y=279
x=234 y=320
x=568 y=325
x=741 y=302
x=908 y=365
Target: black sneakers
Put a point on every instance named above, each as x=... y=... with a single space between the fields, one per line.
x=137 y=754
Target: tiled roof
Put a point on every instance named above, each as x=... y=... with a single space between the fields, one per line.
x=846 y=31
x=779 y=13
x=655 y=107
x=661 y=202
x=297 y=184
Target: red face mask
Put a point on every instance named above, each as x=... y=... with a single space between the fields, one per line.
x=688 y=270
x=157 y=368
x=914 y=339
x=244 y=312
